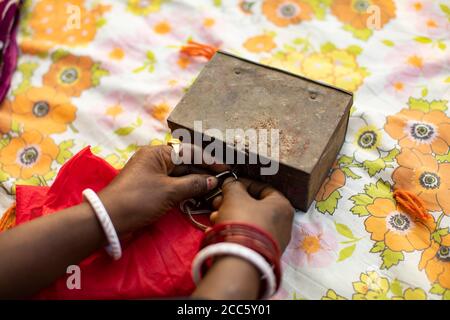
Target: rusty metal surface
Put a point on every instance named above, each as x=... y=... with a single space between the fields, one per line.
x=235 y=93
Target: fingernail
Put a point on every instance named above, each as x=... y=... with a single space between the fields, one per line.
x=211 y=182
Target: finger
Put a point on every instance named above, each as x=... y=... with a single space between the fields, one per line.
x=255 y=188
x=267 y=193
x=274 y=197
x=185 y=169
x=191 y=186
x=214 y=216
x=233 y=189
x=271 y=193
x=158 y=157
x=217 y=202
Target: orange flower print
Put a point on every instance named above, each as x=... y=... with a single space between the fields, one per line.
x=436 y=262
x=261 y=43
x=162 y=28
x=355 y=13
x=423 y=176
x=333 y=182
x=70 y=75
x=43 y=109
x=5 y=117
x=426 y=132
x=286 y=12
x=28 y=155
x=398 y=230
x=117 y=53
x=160 y=111
x=52 y=22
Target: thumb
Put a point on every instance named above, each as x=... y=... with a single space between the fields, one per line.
x=193 y=185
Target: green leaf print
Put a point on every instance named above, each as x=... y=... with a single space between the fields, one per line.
x=391 y=258
x=329 y=205
x=27 y=70
x=124 y=131
x=97 y=74
x=346 y=253
x=388 y=43
x=423 y=40
x=443 y=158
x=362 y=34
x=426 y=106
x=319 y=7
x=396 y=288
x=382 y=189
x=342 y=229
x=378 y=247
x=64 y=152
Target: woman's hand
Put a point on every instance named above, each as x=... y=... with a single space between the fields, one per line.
x=142 y=192
x=147 y=187
x=255 y=203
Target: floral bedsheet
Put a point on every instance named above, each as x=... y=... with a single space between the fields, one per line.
x=107 y=73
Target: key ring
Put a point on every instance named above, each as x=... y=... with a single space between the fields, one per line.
x=185 y=207
x=193 y=206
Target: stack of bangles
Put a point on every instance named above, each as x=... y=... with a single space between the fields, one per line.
x=247 y=242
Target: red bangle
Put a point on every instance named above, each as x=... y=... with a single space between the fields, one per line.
x=245 y=226
x=247 y=235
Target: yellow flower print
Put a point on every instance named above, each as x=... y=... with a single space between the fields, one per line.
x=336 y=66
x=374 y=287
x=261 y=43
x=350 y=81
x=318 y=66
x=371 y=287
x=412 y=294
x=346 y=71
x=290 y=61
x=332 y=295
x=342 y=61
x=209 y=22
x=114 y=111
x=143 y=7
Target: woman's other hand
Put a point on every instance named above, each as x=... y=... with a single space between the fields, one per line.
x=255 y=203
x=146 y=188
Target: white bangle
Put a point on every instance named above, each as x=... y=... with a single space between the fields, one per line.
x=114 y=249
x=234 y=249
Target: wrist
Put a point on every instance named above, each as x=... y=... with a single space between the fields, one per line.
x=247 y=242
x=230 y=277
x=117 y=211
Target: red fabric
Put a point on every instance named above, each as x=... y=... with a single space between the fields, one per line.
x=156 y=262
